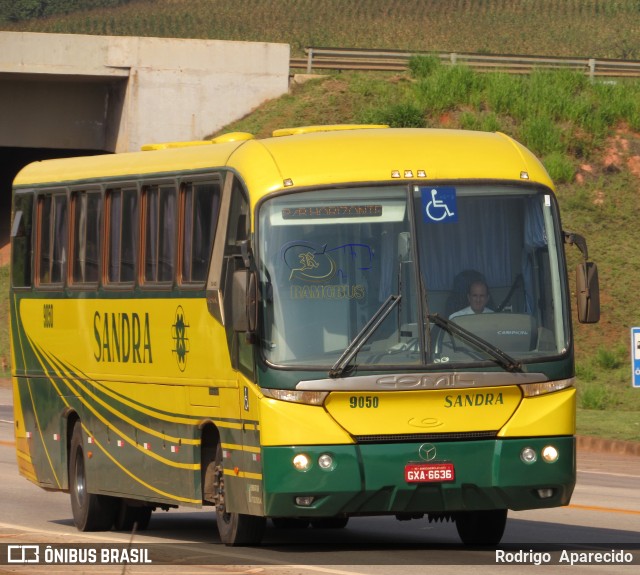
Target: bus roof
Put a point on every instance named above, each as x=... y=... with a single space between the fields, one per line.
x=314 y=156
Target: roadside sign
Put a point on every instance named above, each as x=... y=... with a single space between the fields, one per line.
x=635 y=356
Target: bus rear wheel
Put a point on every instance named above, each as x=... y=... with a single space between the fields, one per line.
x=91 y=512
x=481 y=528
x=235 y=529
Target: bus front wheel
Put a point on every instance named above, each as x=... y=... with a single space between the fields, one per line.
x=481 y=528
x=91 y=512
x=236 y=529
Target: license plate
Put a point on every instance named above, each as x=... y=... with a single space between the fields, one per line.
x=429 y=472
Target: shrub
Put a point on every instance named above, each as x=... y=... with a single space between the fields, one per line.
x=606 y=359
x=402 y=115
x=542 y=135
x=561 y=167
x=424 y=66
x=584 y=372
x=484 y=122
x=594 y=396
x=503 y=93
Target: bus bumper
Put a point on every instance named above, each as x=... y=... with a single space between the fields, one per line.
x=369 y=479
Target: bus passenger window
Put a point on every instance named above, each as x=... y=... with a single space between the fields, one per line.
x=122 y=239
x=87 y=207
x=160 y=233
x=200 y=203
x=52 y=238
x=21 y=241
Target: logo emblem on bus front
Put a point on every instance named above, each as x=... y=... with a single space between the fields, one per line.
x=180 y=339
x=427 y=452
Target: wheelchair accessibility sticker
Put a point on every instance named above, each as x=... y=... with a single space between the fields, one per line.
x=635 y=356
x=439 y=205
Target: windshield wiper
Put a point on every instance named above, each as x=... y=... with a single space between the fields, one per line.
x=340 y=366
x=504 y=359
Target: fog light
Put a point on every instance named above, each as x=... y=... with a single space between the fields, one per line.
x=528 y=455
x=302 y=462
x=305 y=501
x=550 y=454
x=545 y=493
x=325 y=461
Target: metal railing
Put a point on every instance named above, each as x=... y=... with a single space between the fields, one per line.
x=395 y=60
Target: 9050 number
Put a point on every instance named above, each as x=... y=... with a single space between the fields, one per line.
x=364 y=401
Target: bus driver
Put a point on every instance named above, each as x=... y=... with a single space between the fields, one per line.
x=477 y=296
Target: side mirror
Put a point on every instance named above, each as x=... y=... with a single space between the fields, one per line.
x=244 y=301
x=587 y=285
x=588 y=292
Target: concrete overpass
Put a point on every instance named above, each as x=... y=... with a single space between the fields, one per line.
x=63 y=94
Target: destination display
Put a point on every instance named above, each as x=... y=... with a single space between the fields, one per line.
x=332 y=211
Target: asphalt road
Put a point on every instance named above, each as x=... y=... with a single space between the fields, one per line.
x=604 y=515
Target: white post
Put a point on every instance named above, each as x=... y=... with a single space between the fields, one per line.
x=592 y=69
x=309 y=60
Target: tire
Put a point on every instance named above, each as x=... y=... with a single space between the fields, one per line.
x=235 y=529
x=330 y=522
x=481 y=528
x=91 y=512
x=130 y=517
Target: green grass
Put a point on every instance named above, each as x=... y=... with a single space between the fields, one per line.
x=623 y=426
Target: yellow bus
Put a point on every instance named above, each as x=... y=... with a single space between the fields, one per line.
x=289 y=328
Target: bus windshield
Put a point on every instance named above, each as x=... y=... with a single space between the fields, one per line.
x=470 y=269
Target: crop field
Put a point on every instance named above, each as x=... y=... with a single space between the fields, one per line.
x=587 y=28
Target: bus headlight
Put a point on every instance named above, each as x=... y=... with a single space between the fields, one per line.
x=326 y=462
x=528 y=455
x=295 y=396
x=302 y=462
x=550 y=454
x=544 y=387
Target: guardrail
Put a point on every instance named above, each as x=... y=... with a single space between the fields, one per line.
x=394 y=60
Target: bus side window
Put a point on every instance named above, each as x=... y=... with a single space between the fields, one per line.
x=21 y=241
x=200 y=204
x=161 y=224
x=122 y=235
x=238 y=229
x=86 y=209
x=52 y=239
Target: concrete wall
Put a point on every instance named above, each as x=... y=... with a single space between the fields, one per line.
x=117 y=93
